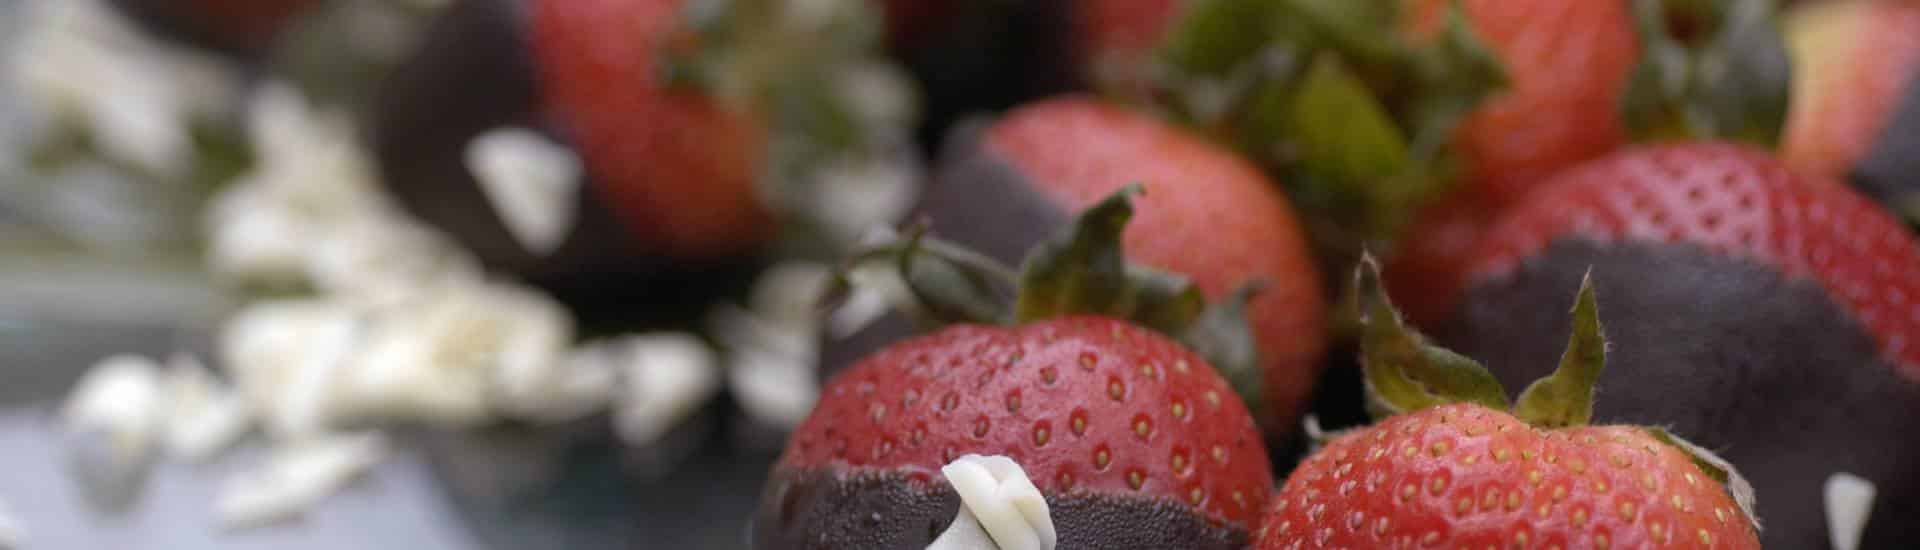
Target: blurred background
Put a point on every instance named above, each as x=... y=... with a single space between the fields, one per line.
x=461 y=274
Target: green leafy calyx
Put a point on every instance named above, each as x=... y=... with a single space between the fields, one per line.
x=1335 y=94
x=1081 y=271
x=1709 y=69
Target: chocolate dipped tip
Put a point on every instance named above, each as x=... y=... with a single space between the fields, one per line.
x=824 y=508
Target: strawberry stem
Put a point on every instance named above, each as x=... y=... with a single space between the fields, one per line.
x=1403 y=372
x=1565 y=398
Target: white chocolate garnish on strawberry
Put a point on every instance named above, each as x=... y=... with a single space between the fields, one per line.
x=1849 y=504
x=996 y=499
x=531 y=181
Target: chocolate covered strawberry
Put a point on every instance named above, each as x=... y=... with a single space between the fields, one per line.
x=1855 y=112
x=245 y=26
x=1452 y=465
x=1207 y=214
x=697 y=130
x=1132 y=436
x=1580 y=86
x=1761 y=313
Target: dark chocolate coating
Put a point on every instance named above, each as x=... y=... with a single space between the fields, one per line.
x=990 y=56
x=175 y=20
x=821 y=510
x=1891 y=171
x=1730 y=354
x=474 y=73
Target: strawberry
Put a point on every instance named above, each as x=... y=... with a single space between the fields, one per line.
x=1567 y=64
x=245 y=26
x=1854 y=112
x=1767 y=315
x=1134 y=439
x=1451 y=467
x=1208 y=215
x=701 y=131
x=1577 y=90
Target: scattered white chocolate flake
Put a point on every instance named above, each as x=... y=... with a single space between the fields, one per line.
x=295 y=476
x=790 y=291
x=285 y=357
x=113 y=420
x=446 y=355
x=133 y=94
x=532 y=183
x=664 y=378
x=204 y=415
x=13 y=533
x=381 y=259
x=1849 y=504
x=853 y=194
x=773 y=389
x=252 y=237
x=312 y=184
x=876 y=290
x=1000 y=499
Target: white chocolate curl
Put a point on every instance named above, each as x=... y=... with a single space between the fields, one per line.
x=995 y=497
x=1849 y=503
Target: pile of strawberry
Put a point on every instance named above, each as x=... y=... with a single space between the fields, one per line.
x=1731 y=177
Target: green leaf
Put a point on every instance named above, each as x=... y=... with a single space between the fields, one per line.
x=1081 y=270
x=1212 y=37
x=1161 y=301
x=1453 y=75
x=1565 y=398
x=946 y=290
x=1222 y=335
x=1731 y=80
x=1403 y=372
x=1342 y=134
x=1718 y=469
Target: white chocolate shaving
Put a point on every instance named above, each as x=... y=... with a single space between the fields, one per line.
x=665 y=377
x=204 y=415
x=285 y=358
x=1849 y=500
x=113 y=421
x=996 y=493
x=531 y=181
x=295 y=476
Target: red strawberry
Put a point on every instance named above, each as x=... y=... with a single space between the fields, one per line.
x=236 y=25
x=1767 y=315
x=1466 y=476
x=1135 y=440
x=1453 y=469
x=701 y=131
x=1207 y=214
x=679 y=165
x=1853 y=64
x=1567 y=63
x=1559 y=113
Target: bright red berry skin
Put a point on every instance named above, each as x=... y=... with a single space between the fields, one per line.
x=1759 y=313
x=1465 y=476
x=1108 y=419
x=678 y=166
x=1567 y=62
